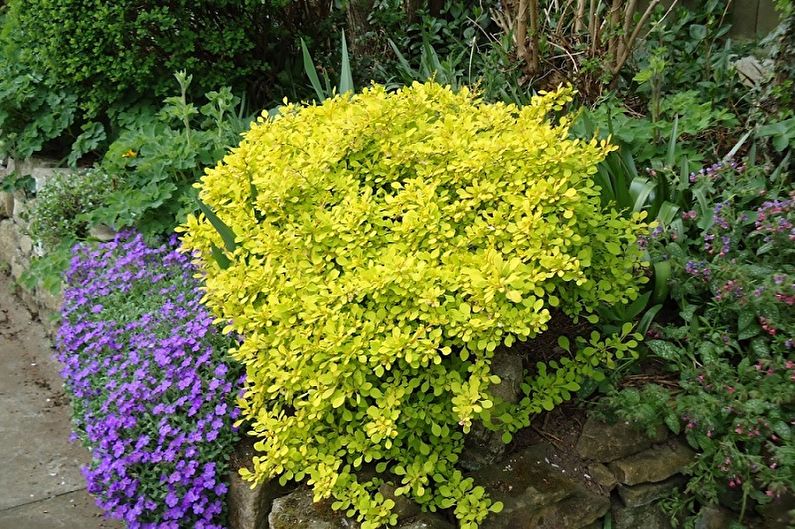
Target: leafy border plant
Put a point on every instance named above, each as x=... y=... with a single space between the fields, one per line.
x=375 y=251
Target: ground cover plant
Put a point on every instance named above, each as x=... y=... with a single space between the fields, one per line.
x=731 y=349
x=151 y=386
x=375 y=251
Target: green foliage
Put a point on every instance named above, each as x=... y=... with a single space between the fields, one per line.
x=63 y=207
x=459 y=46
x=323 y=92
x=649 y=139
x=16 y=182
x=733 y=283
x=384 y=246
x=781 y=133
x=46 y=271
x=33 y=112
x=697 y=52
x=117 y=52
x=649 y=407
x=157 y=158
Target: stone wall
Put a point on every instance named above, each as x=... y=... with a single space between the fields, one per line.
x=615 y=469
x=17 y=249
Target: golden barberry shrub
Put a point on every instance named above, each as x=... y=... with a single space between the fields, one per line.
x=385 y=244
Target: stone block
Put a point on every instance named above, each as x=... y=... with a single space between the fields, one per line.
x=298 y=511
x=646 y=517
x=714 y=518
x=19 y=266
x=607 y=442
x=578 y=511
x=646 y=493
x=249 y=508
x=537 y=495
x=426 y=521
x=51 y=302
x=8 y=241
x=405 y=508
x=25 y=245
x=485 y=447
x=102 y=233
x=21 y=208
x=602 y=475
x=654 y=464
x=42 y=175
x=6 y=204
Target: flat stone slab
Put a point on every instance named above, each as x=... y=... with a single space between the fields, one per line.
x=298 y=511
x=645 y=493
x=607 y=442
x=537 y=495
x=73 y=510
x=39 y=462
x=645 y=517
x=655 y=464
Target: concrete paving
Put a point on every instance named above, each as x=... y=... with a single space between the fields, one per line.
x=41 y=486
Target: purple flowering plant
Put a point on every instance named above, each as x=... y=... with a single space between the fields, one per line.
x=151 y=385
x=731 y=252
x=733 y=283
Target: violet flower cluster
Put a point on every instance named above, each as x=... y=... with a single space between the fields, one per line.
x=152 y=391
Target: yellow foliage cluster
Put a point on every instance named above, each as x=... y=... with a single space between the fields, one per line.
x=386 y=244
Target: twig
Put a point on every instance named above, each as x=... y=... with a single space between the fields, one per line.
x=579 y=21
x=534 y=35
x=631 y=41
x=557 y=441
x=567 y=53
x=521 y=35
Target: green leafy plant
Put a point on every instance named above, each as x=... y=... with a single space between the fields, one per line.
x=327 y=90
x=733 y=284
x=17 y=182
x=649 y=407
x=157 y=159
x=63 y=207
x=115 y=53
x=375 y=251
x=33 y=112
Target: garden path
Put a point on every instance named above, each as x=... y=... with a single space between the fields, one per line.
x=40 y=482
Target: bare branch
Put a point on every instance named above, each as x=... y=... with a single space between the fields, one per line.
x=579 y=19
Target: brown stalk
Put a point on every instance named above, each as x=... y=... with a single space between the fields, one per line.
x=592 y=26
x=521 y=35
x=534 y=35
x=622 y=59
x=561 y=24
x=579 y=19
x=613 y=21
x=629 y=15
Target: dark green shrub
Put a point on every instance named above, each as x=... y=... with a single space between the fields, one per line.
x=112 y=51
x=33 y=112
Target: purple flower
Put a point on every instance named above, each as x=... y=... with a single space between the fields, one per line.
x=153 y=393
